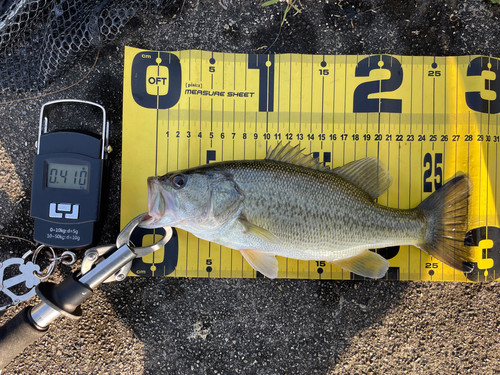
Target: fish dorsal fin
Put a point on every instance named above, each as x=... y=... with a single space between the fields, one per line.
x=366 y=264
x=368 y=174
x=294 y=155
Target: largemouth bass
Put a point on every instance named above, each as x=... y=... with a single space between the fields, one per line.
x=289 y=204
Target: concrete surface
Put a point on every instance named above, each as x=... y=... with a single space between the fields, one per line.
x=211 y=326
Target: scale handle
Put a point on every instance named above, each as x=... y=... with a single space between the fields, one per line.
x=16 y=335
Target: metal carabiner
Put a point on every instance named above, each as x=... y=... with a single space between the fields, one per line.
x=95 y=254
x=124 y=238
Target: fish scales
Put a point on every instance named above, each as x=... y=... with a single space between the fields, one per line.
x=318 y=215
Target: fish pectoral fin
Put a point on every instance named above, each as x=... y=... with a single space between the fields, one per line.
x=265 y=263
x=257 y=231
x=366 y=264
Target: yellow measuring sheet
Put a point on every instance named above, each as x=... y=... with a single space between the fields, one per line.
x=425 y=118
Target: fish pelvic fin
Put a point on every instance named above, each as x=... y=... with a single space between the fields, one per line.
x=366 y=264
x=265 y=263
x=446 y=211
x=368 y=174
x=294 y=155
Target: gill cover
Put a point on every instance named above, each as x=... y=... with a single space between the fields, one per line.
x=226 y=196
x=200 y=198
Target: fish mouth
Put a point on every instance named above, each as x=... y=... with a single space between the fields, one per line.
x=160 y=205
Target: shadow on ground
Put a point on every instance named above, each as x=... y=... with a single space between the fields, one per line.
x=204 y=326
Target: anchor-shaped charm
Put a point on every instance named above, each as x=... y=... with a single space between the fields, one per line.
x=27 y=277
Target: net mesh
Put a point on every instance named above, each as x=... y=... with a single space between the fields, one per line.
x=40 y=38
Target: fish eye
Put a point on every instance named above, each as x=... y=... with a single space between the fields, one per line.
x=178 y=181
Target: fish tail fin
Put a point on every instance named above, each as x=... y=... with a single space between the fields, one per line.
x=446 y=211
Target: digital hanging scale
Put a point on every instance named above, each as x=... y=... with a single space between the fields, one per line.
x=69 y=173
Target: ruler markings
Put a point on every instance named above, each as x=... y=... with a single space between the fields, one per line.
x=367 y=132
x=445 y=111
x=290 y=99
x=231 y=262
x=301 y=98
x=442 y=131
x=211 y=122
x=456 y=120
x=487 y=166
x=445 y=144
x=186 y=257
x=278 y=66
x=245 y=131
x=434 y=100
x=156 y=135
x=478 y=129
x=481 y=155
x=157 y=114
x=222 y=134
x=399 y=177
x=409 y=161
x=234 y=119
x=487 y=195
x=322 y=101
x=345 y=108
x=379 y=117
x=422 y=130
x=311 y=103
x=468 y=147
x=234 y=126
x=495 y=192
x=247 y=60
x=255 y=140
x=198 y=258
x=435 y=66
x=433 y=108
x=334 y=98
x=356 y=124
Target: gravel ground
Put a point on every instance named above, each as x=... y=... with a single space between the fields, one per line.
x=220 y=326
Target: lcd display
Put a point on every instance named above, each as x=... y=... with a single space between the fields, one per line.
x=67 y=176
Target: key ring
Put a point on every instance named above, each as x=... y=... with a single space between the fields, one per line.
x=52 y=266
x=124 y=237
x=67 y=258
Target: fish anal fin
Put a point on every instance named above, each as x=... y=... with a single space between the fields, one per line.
x=257 y=231
x=366 y=264
x=368 y=174
x=265 y=263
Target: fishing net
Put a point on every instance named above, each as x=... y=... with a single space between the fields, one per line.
x=40 y=38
